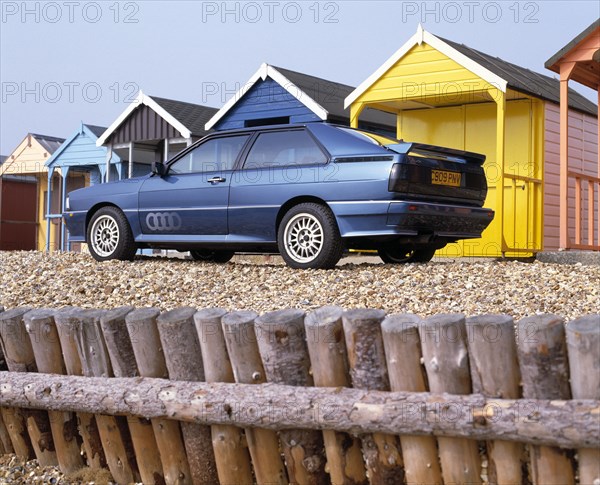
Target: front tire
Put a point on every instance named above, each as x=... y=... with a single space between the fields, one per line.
x=398 y=254
x=109 y=236
x=308 y=237
x=210 y=256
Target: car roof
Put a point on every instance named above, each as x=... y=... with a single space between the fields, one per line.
x=334 y=138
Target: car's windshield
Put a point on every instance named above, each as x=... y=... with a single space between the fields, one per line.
x=374 y=138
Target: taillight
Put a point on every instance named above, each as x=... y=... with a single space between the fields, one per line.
x=398 y=178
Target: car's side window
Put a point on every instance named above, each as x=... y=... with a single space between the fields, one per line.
x=218 y=154
x=282 y=148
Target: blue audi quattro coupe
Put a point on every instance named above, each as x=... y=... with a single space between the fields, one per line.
x=309 y=192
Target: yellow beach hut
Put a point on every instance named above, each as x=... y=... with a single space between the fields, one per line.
x=448 y=94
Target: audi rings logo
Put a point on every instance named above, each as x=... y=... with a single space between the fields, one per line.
x=163 y=221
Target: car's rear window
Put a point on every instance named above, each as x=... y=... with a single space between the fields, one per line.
x=374 y=138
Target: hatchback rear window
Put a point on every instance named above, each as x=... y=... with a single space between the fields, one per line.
x=374 y=138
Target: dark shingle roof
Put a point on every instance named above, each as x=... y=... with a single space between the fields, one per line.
x=50 y=143
x=330 y=95
x=556 y=57
x=96 y=130
x=525 y=80
x=192 y=116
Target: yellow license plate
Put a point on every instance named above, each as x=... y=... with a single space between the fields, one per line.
x=442 y=177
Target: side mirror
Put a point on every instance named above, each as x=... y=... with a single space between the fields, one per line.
x=159 y=168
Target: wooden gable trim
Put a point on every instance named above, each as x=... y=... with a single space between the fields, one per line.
x=264 y=71
x=422 y=36
x=142 y=98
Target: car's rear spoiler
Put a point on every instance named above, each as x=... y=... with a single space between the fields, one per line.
x=437 y=151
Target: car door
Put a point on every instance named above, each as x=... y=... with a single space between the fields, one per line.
x=280 y=165
x=192 y=198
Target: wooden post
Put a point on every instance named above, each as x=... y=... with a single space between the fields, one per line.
x=406 y=372
x=231 y=453
x=145 y=340
x=113 y=430
x=6 y=446
x=5 y=443
x=583 y=342
x=48 y=357
x=495 y=373
x=15 y=422
x=368 y=370
x=500 y=99
x=18 y=354
x=542 y=351
x=566 y=68
x=123 y=364
x=13 y=430
x=2 y=362
x=242 y=347
x=327 y=350
x=355 y=111
x=443 y=341
x=184 y=362
x=282 y=345
x=66 y=325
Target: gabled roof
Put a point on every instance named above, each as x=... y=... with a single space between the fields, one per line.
x=96 y=130
x=192 y=116
x=499 y=73
x=50 y=143
x=187 y=118
x=43 y=145
x=418 y=38
x=525 y=80
x=324 y=98
x=92 y=131
x=331 y=95
x=561 y=53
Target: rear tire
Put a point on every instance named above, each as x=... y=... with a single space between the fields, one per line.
x=109 y=235
x=397 y=254
x=308 y=237
x=210 y=256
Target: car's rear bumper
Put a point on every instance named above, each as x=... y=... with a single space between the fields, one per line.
x=408 y=218
x=443 y=220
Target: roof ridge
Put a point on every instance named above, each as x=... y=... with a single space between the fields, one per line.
x=47 y=137
x=535 y=79
x=488 y=56
x=314 y=77
x=179 y=101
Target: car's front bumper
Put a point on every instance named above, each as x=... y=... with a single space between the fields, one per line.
x=75 y=222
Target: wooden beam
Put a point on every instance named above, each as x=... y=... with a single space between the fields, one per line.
x=130 y=164
x=565 y=72
x=556 y=422
x=500 y=99
x=355 y=111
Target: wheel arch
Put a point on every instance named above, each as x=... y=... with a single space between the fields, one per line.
x=94 y=209
x=296 y=201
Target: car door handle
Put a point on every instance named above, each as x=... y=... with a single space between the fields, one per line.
x=216 y=180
